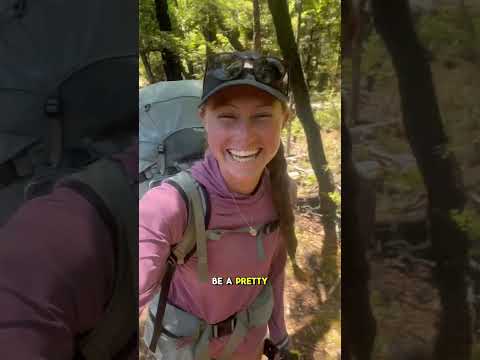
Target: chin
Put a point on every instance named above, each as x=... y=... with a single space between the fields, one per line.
x=243 y=177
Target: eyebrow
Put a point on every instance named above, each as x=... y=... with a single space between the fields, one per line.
x=258 y=106
x=228 y=104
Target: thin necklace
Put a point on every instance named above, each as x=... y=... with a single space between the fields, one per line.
x=251 y=229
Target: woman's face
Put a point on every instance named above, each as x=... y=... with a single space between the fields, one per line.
x=243 y=127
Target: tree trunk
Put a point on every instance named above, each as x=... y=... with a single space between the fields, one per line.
x=257 y=39
x=171 y=61
x=286 y=41
x=308 y=62
x=358 y=221
x=233 y=36
x=299 y=7
x=189 y=72
x=148 y=68
x=299 y=19
x=438 y=166
x=163 y=17
x=209 y=32
x=356 y=67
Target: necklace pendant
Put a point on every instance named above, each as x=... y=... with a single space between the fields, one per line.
x=252 y=231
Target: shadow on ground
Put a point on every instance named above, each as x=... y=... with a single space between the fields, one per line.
x=320 y=301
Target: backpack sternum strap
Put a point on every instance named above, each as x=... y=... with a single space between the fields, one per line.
x=260 y=232
x=195 y=235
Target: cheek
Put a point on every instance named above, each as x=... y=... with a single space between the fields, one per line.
x=271 y=136
x=215 y=137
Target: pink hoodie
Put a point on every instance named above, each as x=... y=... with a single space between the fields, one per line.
x=56 y=273
x=162 y=220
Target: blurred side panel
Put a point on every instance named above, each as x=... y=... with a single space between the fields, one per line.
x=68 y=179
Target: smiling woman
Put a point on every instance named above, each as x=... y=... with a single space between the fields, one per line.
x=243 y=127
x=249 y=224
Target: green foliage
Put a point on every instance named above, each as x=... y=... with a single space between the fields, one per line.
x=336 y=197
x=201 y=26
x=407 y=181
x=327 y=110
x=469 y=221
x=440 y=29
x=296 y=127
x=310 y=180
x=328 y=119
x=476 y=352
x=192 y=20
x=319 y=42
x=376 y=60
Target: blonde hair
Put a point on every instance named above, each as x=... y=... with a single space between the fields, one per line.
x=281 y=200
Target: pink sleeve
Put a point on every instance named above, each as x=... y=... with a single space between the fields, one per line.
x=56 y=274
x=276 y=325
x=162 y=221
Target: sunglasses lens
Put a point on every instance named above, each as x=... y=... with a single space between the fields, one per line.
x=226 y=66
x=269 y=70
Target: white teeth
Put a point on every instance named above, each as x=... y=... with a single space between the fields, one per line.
x=243 y=159
x=244 y=152
x=245 y=155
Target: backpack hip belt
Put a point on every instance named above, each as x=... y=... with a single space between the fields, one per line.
x=179 y=324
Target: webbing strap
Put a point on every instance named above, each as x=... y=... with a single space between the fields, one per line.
x=162 y=302
x=201 y=347
x=256 y=314
x=202 y=267
x=195 y=234
x=106 y=179
x=261 y=231
x=241 y=329
x=260 y=248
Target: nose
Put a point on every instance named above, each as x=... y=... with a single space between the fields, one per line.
x=245 y=131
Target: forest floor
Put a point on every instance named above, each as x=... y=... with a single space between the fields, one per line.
x=312 y=307
x=404 y=298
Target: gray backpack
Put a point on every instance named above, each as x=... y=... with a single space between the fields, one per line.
x=171 y=135
x=65 y=86
x=67 y=105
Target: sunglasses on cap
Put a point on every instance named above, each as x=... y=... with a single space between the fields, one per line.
x=265 y=72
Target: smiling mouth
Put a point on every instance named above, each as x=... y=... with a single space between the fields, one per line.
x=243 y=156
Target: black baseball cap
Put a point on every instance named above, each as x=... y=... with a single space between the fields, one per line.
x=266 y=73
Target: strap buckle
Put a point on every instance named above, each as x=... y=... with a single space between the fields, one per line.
x=225 y=327
x=215 y=331
x=53 y=106
x=172 y=260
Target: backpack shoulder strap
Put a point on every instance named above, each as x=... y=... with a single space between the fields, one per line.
x=105 y=184
x=194 y=236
